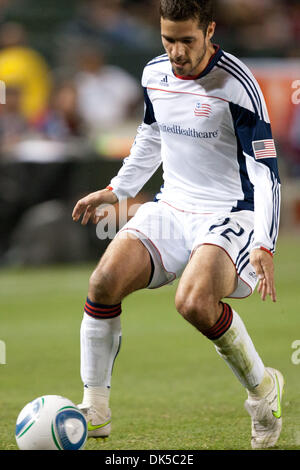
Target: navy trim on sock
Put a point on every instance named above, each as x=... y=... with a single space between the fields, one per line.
x=97 y=310
x=222 y=325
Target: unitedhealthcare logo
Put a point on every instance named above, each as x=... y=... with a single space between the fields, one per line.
x=188 y=132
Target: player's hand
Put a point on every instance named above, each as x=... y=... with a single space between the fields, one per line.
x=262 y=262
x=87 y=206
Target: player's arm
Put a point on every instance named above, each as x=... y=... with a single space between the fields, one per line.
x=254 y=133
x=137 y=169
x=264 y=176
x=144 y=158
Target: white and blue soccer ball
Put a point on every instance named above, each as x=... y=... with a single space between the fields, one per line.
x=51 y=422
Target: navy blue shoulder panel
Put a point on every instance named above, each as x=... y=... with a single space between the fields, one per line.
x=149 y=117
x=249 y=128
x=247 y=187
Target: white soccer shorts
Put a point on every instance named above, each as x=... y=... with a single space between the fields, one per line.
x=172 y=235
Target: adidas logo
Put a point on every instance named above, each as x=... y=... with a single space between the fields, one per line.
x=164 y=81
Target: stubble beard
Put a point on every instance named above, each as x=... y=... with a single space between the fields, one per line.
x=199 y=60
x=182 y=71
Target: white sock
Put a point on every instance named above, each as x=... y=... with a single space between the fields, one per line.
x=264 y=388
x=98 y=397
x=236 y=348
x=100 y=341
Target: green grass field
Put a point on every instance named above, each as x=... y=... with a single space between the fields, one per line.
x=170 y=390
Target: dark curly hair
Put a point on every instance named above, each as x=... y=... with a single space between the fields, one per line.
x=182 y=10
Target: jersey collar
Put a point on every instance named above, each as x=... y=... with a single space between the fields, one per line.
x=212 y=62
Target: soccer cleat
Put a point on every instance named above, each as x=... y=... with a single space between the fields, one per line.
x=98 y=422
x=266 y=414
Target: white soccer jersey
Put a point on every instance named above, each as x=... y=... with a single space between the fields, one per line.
x=212 y=135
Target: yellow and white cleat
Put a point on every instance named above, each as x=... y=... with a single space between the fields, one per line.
x=266 y=414
x=98 y=421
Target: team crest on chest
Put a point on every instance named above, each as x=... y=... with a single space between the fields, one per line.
x=202 y=110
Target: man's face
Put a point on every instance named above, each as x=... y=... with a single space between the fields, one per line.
x=186 y=45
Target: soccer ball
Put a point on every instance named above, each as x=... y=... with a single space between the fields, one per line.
x=51 y=422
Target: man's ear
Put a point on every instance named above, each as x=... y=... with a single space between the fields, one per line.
x=211 y=30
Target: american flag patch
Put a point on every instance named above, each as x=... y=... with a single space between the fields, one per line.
x=202 y=109
x=264 y=149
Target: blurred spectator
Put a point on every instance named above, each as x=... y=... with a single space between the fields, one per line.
x=13 y=125
x=258 y=27
x=61 y=120
x=3 y=6
x=293 y=9
x=107 y=95
x=110 y=22
x=271 y=29
x=25 y=68
x=146 y=13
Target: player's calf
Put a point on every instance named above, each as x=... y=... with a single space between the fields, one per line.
x=124 y=268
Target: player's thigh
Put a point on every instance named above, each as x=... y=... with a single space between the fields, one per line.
x=208 y=277
x=160 y=228
x=124 y=268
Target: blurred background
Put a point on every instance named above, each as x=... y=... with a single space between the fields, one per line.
x=72 y=73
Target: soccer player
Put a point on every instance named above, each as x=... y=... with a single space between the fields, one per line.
x=214 y=223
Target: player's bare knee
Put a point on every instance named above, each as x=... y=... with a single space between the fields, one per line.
x=103 y=286
x=197 y=309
